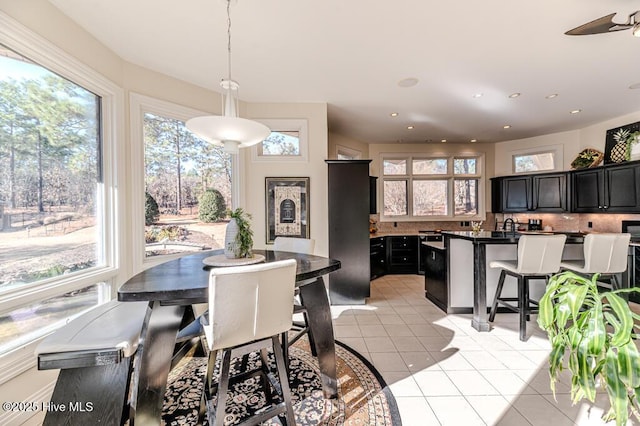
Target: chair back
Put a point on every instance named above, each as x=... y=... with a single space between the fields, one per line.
x=247 y=303
x=606 y=253
x=540 y=254
x=294 y=245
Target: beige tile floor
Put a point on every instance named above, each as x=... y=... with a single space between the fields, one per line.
x=443 y=372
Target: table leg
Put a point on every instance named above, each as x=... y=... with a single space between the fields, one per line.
x=153 y=360
x=314 y=298
x=480 y=318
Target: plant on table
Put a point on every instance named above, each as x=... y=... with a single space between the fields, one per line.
x=595 y=331
x=242 y=244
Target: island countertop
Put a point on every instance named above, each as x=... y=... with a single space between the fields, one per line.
x=504 y=237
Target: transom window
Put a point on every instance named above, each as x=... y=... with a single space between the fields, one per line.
x=541 y=161
x=418 y=187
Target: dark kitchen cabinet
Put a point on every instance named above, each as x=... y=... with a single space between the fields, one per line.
x=546 y=192
x=435 y=275
x=373 y=195
x=607 y=189
x=403 y=254
x=378 y=257
x=348 y=204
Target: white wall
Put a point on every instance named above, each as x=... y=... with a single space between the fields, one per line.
x=572 y=143
x=315 y=168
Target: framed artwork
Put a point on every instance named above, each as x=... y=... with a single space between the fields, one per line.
x=611 y=151
x=287 y=207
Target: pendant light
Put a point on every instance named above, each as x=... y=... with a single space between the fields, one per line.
x=229 y=130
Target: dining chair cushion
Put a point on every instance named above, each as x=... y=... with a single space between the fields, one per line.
x=294 y=245
x=537 y=255
x=251 y=302
x=603 y=254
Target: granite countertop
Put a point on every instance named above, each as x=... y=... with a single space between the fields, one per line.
x=508 y=237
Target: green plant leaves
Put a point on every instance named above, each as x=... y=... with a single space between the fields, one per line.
x=595 y=331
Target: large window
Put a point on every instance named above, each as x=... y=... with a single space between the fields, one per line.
x=419 y=187
x=188 y=182
x=57 y=235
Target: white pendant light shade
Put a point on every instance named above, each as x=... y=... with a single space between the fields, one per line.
x=229 y=129
x=222 y=130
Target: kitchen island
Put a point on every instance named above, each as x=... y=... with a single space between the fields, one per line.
x=471 y=284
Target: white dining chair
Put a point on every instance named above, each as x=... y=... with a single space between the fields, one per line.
x=249 y=308
x=605 y=254
x=538 y=257
x=305 y=246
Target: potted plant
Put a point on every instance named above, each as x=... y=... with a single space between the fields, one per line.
x=593 y=332
x=238 y=239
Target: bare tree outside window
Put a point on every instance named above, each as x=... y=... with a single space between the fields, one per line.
x=439 y=187
x=179 y=169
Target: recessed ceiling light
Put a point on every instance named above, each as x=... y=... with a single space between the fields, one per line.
x=514 y=95
x=477 y=95
x=506 y=126
x=473 y=140
x=408 y=82
x=575 y=111
x=394 y=114
x=409 y=127
x=635 y=86
x=551 y=96
x=443 y=140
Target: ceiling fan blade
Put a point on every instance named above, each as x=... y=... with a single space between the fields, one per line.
x=599 y=26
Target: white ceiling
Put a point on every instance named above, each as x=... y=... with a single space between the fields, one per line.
x=351 y=54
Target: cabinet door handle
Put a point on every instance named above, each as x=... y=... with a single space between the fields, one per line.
x=433 y=255
x=606 y=207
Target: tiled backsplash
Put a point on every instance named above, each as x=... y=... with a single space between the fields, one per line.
x=570 y=222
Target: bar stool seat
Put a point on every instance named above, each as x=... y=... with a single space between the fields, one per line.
x=299 y=328
x=604 y=254
x=538 y=257
x=249 y=308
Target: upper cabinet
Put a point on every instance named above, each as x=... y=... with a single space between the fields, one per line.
x=546 y=192
x=612 y=188
x=608 y=189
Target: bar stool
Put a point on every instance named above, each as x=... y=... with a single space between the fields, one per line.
x=305 y=246
x=538 y=257
x=249 y=307
x=604 y=254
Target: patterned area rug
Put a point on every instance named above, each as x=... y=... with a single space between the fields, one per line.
x=363 y=396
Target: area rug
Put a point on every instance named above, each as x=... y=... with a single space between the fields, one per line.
x=363 y=396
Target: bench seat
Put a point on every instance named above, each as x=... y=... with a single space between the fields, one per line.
x=94 y=354
x=105 y=335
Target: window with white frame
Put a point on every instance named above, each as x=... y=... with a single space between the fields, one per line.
x=287 y=141
x=185 y=185
x=57 y=217
x=418 y=187
x=540 y=159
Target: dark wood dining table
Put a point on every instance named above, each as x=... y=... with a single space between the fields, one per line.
x=171 y=288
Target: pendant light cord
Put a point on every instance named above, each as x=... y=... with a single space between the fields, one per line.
x=229 y=35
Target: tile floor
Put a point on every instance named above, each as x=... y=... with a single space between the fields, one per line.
x=443 y=372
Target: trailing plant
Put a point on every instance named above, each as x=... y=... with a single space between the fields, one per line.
x=594 y=333
x=244 y=238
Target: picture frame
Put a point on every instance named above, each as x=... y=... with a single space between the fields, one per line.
x=610 y=141
x=287 y=207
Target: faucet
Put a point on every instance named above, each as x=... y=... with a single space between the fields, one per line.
x=512 y=225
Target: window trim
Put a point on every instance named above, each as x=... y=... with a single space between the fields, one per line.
x=285 y=125
x=42 y=52
x=556 y=150
x=139 y=105
x=450 y=177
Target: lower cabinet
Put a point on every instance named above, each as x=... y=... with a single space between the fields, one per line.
x=435 y=275
x=378 y=252
x=403 y=254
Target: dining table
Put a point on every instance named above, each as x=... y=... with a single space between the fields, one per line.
x=173 y=287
